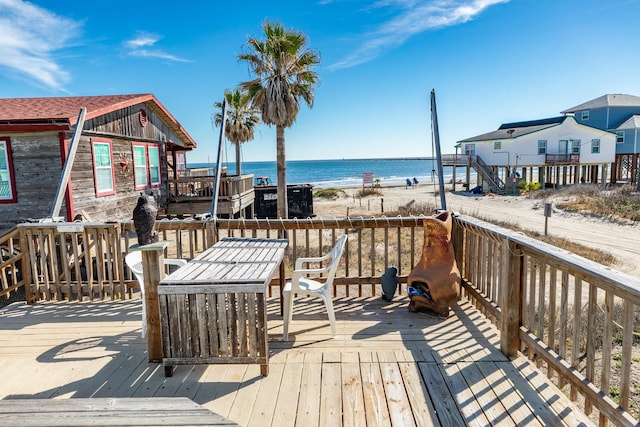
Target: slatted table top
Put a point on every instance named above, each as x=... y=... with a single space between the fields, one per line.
x=156 y=411
x=232 y=260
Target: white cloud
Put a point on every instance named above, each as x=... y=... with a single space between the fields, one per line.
x=139 y=46
x=143 y=39
x=29 y=36
x=413 y=17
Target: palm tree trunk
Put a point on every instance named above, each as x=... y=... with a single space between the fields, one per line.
x=282 y=173
x=238 y=172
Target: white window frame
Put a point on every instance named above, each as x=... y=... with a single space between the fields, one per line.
x=620 y=137
x=575 y=146
x=542 y=147
x=146 y=165
x=585 y=115
x=497 y=145
x=155 y=177
x=140 y=176
x=7 y=177
x=595 y=146
x=100 y=169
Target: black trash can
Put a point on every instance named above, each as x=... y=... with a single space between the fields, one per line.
x=299 y=198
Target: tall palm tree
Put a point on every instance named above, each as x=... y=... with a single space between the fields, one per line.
x=241 y=119
x=282 y=64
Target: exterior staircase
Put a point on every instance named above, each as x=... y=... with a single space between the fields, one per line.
x=488 y=175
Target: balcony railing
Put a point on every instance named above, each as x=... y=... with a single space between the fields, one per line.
x=193 y=194
x=574 y=318
x=562 y=159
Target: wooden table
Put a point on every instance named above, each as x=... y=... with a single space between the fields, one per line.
x=213 y=310
x=153 y=411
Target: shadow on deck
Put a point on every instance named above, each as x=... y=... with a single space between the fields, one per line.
x=386 y=367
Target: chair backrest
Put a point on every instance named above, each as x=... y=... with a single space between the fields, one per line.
x=336 y=254
x=134 y=262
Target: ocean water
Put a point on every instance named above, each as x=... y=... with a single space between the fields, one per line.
x=346 y=173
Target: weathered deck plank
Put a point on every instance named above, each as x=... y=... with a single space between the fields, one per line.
x=107 y=412
x=386 y=367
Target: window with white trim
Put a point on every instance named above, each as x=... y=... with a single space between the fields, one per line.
x=542 y=146
x=139 y=166
x=585 y=115
x=497 y=145
x=7 y=178
x=620 y=137
x=575 y=146
x=595 y=146
x=154 y=165
x=146 y=165
x=104 y=181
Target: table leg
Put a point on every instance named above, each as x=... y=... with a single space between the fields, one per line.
x=281 y=278
x=264 y=370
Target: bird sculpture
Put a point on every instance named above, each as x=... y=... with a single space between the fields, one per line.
x=144 y=219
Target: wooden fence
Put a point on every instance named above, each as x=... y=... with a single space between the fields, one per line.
x=85 y=260
x=11 y=263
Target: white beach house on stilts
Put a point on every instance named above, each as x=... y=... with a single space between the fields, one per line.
x=554 y=151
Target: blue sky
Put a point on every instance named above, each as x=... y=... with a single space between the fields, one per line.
x=489 y=61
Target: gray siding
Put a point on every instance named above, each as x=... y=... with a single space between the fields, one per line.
x=118 y=206
x=37 y=168
x=126 y=122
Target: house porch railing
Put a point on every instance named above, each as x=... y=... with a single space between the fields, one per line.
x=201 y=187
x=562 y=159
x=574 y=318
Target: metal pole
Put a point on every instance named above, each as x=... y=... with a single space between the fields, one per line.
x=216 y=182
x=434 y=123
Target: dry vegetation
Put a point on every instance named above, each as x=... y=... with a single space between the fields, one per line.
x=622 y=203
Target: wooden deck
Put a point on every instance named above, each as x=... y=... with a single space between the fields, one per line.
x=386 y=367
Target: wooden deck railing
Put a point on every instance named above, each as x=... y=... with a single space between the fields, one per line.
x=11 y=263
x=573 y=317
x=202 y=186
x=562 y=159
x=85 y=260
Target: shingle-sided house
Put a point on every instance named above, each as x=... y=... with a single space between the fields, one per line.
x=556 y=150
x=128 y=144
x=620 y=114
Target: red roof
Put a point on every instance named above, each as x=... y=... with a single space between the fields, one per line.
x=66 y=109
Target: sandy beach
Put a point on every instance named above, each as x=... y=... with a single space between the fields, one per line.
x=620 y=238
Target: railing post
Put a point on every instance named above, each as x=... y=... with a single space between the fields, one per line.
x=153 y=272
x=25 y=266
x=510 y=293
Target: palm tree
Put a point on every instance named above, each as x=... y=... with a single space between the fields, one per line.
x=282 y=65
x=241 y=119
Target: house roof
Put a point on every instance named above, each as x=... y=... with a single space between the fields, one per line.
x=516 y=129
x=632 y=122
x=609 y=100
x=57 y=110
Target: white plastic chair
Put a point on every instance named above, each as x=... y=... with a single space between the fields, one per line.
x=134 y=262
x=302 y=284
